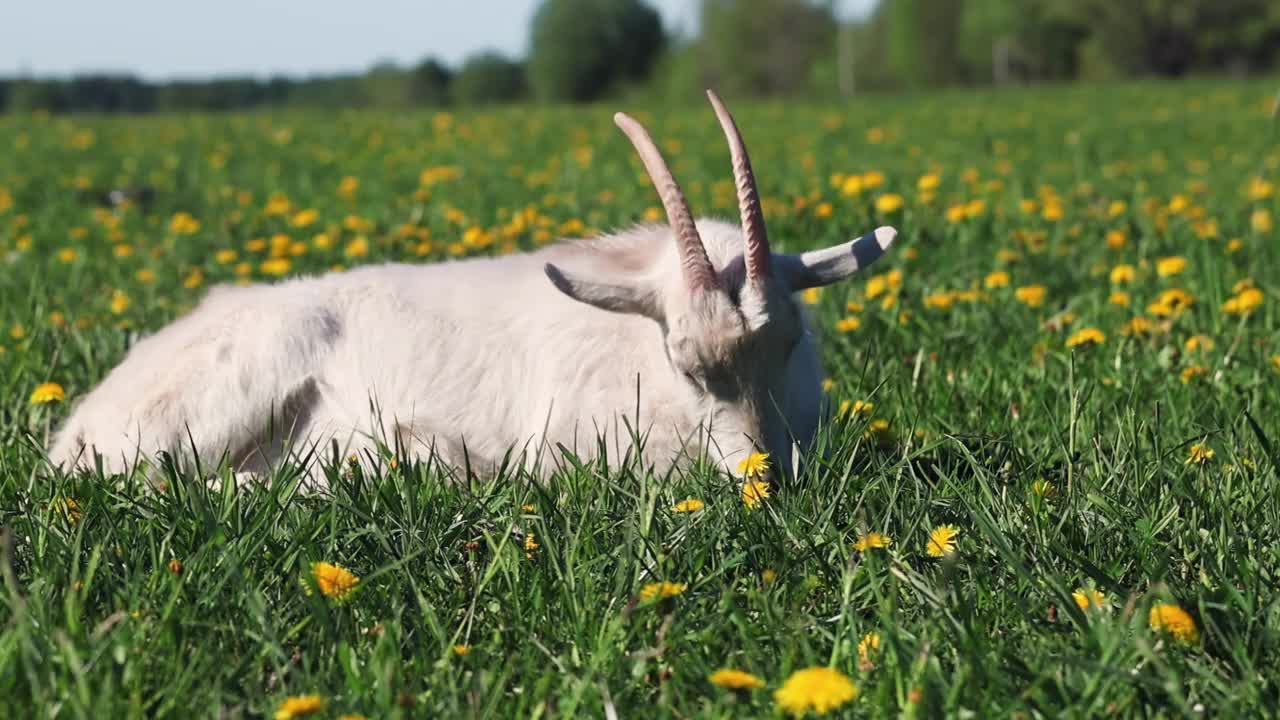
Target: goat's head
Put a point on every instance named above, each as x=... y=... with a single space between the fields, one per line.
x=731 y=327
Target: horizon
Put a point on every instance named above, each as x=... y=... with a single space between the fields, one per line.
x=149 y=39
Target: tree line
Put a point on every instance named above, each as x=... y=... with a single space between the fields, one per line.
x=583 y=50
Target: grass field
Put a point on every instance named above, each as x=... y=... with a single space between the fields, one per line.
x=1071 y=357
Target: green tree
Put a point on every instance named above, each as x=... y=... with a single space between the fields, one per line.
x=1174 y=37
x=924 y=41
x=429 y=83
x=489 y=78
x=582 y=49
x=764 y=47
x=388 y=86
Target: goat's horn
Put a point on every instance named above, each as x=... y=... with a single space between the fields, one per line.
x=757 y=241
x=698 y=272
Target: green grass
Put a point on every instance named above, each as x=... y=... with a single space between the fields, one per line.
x=1062 y=469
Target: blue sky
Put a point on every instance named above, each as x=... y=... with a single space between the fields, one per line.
x=159 y=39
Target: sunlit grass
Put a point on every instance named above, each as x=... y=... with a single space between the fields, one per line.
x=1057 y=405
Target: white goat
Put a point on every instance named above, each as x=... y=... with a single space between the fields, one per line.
x=684 y=334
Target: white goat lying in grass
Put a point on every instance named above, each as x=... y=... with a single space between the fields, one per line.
x=688 y=329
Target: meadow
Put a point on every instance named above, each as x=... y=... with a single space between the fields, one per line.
x=1050 y=489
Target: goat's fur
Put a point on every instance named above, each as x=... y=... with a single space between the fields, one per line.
x=476 y=358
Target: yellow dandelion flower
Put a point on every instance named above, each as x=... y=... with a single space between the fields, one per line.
x=848 y=324
x=820 y=689
x=275 y=266
x=298 y=706
x=119 y=302
x=691 y=505
x=461 y=650
x=1173 y=620
x=879 y=431
x=1169 y=266
x=47 y=392
x=754 y=492
x=1260 y=188
x=942 y=540
x=878 y=285
x=1192 y=372
x=872 y=540
x=856 y=407
x=851 y=185
x=888 y=203
x=358 y=247
x=1207 y=229
x=1171 y=303
x=754 y=465
x=303 y=218
x=1089 y=598
x=1245 y=302
x=927 y=182
x=1260 y=221
x=811 y=296
x=1199 y=454
x=940 y=300
x=1116 y=239
x=1031 y=295
x=1043 y=488
x=1118 y=297
x=70 y=509
x=1137 y=325
x=184 y=224
x=768 y=576
x=1275 y=361
x=735 y=679
x=1123 y=273
x=868 y=646
x=997 y=279
x=1086 y=336
x=334 y=581
x=662 y=590
x=1203 y=343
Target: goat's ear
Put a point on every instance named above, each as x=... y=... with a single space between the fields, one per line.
x=628 y=294
x=823 y=267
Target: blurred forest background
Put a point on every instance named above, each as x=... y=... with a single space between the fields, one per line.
x=585 y=50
